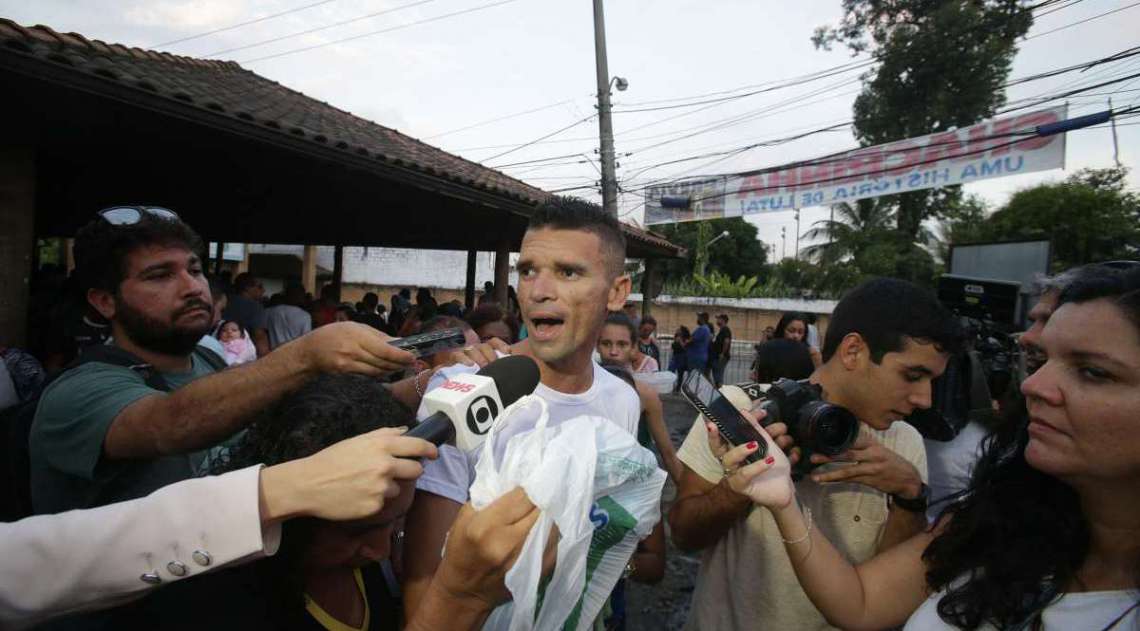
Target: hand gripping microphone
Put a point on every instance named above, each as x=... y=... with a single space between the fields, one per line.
x=465 y=406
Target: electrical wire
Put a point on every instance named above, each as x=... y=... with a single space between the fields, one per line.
x=1079 y=22
x=239 y=24
x=381 y=31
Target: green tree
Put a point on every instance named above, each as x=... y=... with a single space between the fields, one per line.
x=964 y=223
x=942 y=64
x=741 y=253
x=854 y=228
x=1089 y=217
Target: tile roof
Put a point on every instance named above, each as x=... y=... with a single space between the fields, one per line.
x=225 y=88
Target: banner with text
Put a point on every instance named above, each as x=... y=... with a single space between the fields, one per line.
x=993 y=148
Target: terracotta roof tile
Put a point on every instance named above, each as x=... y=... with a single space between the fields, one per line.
x=224 y=86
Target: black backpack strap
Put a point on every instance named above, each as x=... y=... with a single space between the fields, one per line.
x=211 y=357
x=111 y=354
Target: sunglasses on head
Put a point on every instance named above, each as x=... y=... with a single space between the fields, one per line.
x=128 y=215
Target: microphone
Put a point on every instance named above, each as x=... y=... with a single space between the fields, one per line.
x=466 y=405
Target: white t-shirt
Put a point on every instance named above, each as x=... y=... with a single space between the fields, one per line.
x=951 y=465
x=609 y=397
x=1086 y=611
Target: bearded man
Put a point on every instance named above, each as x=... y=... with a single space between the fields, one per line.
x=143 y=413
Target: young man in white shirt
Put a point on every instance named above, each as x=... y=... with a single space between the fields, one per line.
x=571 y=274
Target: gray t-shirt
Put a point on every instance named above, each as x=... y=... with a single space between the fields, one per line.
x=246 y=312
x=75 y=412
x=285 y=323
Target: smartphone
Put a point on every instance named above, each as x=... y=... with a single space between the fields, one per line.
x=732 y=425
x=431 y=343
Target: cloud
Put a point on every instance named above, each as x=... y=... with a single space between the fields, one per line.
x=189 y=14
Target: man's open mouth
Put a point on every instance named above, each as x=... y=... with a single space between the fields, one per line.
x=546 y=328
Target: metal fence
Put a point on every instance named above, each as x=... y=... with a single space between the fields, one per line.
x=739 y=364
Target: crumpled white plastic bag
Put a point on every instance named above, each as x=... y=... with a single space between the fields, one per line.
x=594 y=481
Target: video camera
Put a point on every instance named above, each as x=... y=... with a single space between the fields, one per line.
x=987 y=367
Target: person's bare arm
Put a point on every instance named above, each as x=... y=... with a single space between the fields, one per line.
x=901 y=526
x=879 y=594
x=481 y=547
x=655 y=419
x=649 y=559
x=212 y=408
x=260 y=341
x=426 y=529
x=704 y=511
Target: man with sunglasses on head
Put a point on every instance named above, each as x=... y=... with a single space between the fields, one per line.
x=133 y=416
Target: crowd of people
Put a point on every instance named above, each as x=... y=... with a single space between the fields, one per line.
x=197 y=455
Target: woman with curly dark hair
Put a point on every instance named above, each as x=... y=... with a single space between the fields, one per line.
x=1047 y=536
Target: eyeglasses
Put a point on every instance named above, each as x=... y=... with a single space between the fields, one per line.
x=129 y=215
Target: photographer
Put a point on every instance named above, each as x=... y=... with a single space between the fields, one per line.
x=886 y=341
x=1048 y=534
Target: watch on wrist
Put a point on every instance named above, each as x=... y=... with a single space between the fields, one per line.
x=914 y=504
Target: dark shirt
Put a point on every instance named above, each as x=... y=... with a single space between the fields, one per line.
x=650 y=349
x=723 y=335
x=245 y=311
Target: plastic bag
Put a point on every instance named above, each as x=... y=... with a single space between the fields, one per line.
x=590 y=478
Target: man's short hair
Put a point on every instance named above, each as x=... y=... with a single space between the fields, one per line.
x=702 y=316
x=371 y=299
x=722 y=316
x=885 y=311
x=101 y=249
x=648 y=319
x=572 y=213
x=618 y=318
x=244 y=281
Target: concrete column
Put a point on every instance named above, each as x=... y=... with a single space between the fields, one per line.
x=17 y=241
x=309 y=269
x=647 y=284
x=243 y=265
x=469 y=288
x=502 y=275
x=69 y=254
x=338 y=269
x=219 y=256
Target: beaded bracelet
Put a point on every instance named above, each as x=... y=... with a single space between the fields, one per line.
x=807 y=533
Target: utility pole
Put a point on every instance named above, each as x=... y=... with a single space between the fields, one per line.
x=605 y=126
x=1115 y=146
x=797 y=235
x=783 y=242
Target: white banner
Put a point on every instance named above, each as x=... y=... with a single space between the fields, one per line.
x=991 y=149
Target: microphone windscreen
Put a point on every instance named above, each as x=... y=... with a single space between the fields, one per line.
x=515 y=377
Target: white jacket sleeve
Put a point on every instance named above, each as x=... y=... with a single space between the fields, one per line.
x=52 y=565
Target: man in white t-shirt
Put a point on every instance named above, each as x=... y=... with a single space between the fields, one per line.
x=886 y=341
x=571 y=274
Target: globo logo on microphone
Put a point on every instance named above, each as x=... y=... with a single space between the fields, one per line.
x=481 y=414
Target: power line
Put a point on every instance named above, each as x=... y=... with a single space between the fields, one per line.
x=381 y=31
x=499 y=119
x=1095 y=17
x=317 y=29
x=240 y=24
x=540 y=138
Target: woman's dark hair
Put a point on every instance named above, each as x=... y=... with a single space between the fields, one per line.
x=787 y=319
x=618 y=318
x=489 y=312
x=782 y=359
x=1017 y=535
x=222 y=325
x=326 y=410
x=684 y=332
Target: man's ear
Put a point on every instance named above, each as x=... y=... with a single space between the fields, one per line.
x=619 y=291
x=103 y=301
x=852 y=351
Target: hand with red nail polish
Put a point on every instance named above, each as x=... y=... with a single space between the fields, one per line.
x=766 y=483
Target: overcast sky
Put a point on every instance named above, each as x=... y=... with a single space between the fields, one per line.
x=500 y=58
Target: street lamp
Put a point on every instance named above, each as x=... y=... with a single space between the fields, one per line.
x=703 y=254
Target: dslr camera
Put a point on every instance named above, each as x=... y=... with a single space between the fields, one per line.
x=816 y=425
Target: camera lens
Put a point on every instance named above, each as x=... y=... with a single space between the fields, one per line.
x=828 y=429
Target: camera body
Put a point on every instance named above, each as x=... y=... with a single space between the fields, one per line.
x=816 y=425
